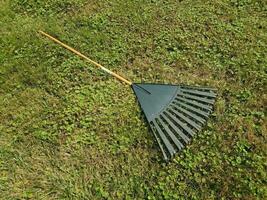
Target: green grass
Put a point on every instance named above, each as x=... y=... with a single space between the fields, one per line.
x=69 y=131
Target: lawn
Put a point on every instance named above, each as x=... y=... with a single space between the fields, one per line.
x=70 y=131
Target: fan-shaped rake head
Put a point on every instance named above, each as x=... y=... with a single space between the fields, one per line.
x=175 y=113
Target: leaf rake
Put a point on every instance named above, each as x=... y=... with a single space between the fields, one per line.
x=175 y=113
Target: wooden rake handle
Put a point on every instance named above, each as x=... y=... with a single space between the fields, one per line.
x=86 y=58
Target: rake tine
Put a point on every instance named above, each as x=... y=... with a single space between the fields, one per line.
x=194 y=103
x=176 y=129
x=159 y=141
x=188 y=120
x=206 y=94
x=164 y=138
x=198 y=111
x=181 y=124
x=172 y=136
x=191 y=114
x=198 y=88
x=205 y=100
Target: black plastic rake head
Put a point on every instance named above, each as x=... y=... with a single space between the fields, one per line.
x=175 y=113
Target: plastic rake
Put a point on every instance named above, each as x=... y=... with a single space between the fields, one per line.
x=175 y=113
